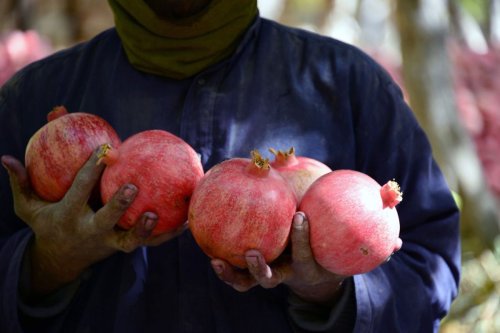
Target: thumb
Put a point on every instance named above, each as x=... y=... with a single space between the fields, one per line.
x=25 y=202
x=301 y=247
x=19 y=181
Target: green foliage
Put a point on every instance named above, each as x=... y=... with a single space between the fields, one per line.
x=477 y=8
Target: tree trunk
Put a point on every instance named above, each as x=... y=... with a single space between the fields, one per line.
x=427 y=74
x=14 y=14
x=493 y=22
x=465 y=29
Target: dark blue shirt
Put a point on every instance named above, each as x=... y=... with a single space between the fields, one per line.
x=283 y=87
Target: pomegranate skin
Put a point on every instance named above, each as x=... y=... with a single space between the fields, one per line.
x=57 y=151
x=299 y=171
x=165 y=170
x=354 y=226
x=241 y=205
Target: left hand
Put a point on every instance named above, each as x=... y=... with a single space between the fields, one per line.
x=300 y=271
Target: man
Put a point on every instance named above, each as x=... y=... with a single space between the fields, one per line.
x=227 y=82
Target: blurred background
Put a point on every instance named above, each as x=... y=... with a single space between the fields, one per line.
x=445 y=54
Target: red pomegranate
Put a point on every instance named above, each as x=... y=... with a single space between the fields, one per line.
x=57 y=151
x=242 y=204
x=354 y=226
x=164 y=168
x=299 y=171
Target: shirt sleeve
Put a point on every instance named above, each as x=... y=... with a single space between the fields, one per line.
x=16 y=313
x=414 y=290
x=44 y=307
x=11 y=256
x=340 y=318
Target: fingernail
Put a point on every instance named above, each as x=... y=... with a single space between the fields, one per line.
x=218 y=268
x=298 y=221
x=149 y=223
x=4 y=164
x=129 y=191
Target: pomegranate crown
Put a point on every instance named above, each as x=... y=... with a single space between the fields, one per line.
x=391 y=194
x=107 y=154
x=283 y=154
x=284 y=158
x=259 y=161
x=56 y=112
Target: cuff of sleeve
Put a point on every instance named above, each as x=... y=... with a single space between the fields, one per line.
x=319 y=318
x=47 y=306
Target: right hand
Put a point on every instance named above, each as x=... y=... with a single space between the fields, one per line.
x=69 y=235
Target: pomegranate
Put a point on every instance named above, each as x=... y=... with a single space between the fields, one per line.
x=354 y=226
x=242 y=204
x=164 y=168
x=299 y=171
x=20 y=48
x=57 y=151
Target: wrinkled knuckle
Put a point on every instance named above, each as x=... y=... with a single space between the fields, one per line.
x=128 y=247
x=131 y=247
x=301 y=242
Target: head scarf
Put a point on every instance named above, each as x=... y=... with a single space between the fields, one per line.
x=181 y=48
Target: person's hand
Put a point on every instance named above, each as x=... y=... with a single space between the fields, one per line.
x=68 y=235
x=300 y=272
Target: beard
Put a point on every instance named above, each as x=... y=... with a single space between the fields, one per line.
x=177 y=9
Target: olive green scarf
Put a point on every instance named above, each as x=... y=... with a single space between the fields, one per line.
x=180 y=49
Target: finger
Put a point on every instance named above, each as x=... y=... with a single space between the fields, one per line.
x=238 y=279
x=397 y=247
x=21 y=189
x=144 y=227
x=129 y=240
x=162 y=238
x=261 y=271
x=106 y=217
x=85 y=181
x=399 y=244
x=301 y=247
x=19 y=181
